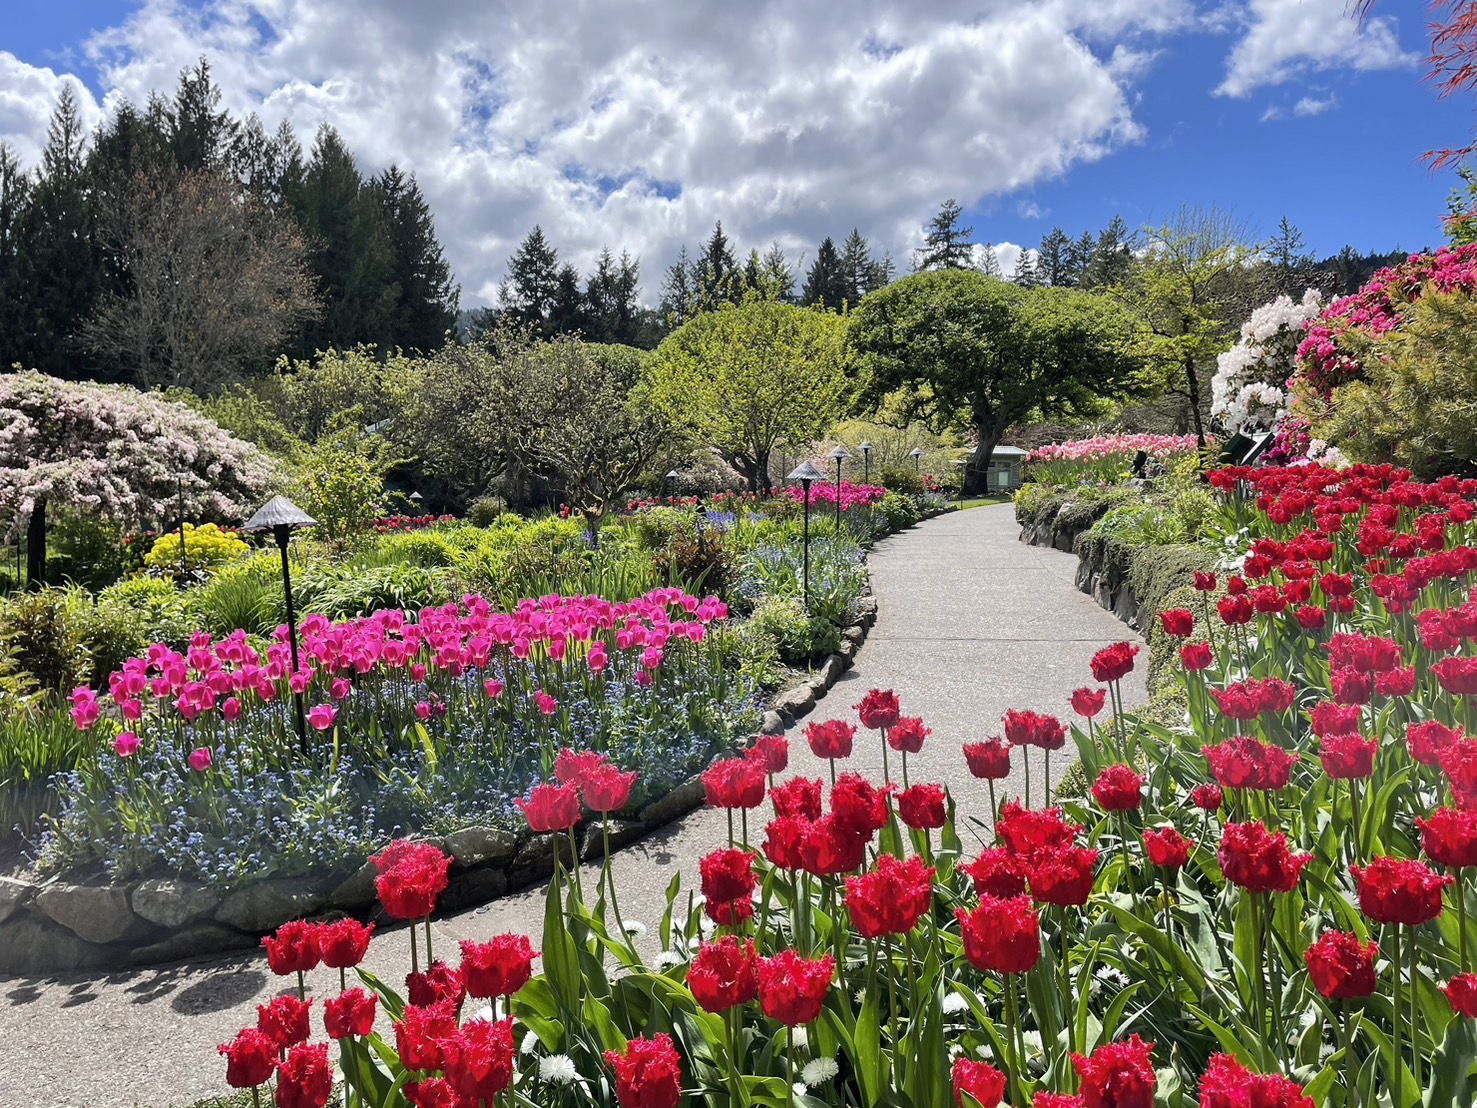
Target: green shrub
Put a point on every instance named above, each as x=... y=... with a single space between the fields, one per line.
x=86 y=549
x=207 y=548
x=900 y=479
x=655 y=528
x=43 y=635
x=169 y=615
x=38 y=740
x=350 y=591
x=111 y=633
x=899 y=511
x=247 y=596
x=798 y=638
x=427 y=549
x=485 y=510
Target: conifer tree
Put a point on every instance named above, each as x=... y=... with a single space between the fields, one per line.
x=427 y=305
x=1051 y=259
x=826 y=284
x=946 y=245
x=531 y=288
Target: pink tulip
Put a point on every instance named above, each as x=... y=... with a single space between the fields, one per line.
x=321 y=716
x=200 y=759
x=125 y=744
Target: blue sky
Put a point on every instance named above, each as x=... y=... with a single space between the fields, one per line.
x=639 y=123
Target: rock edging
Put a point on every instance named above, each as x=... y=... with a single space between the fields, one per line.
x=55 y=926
x=1108 y=585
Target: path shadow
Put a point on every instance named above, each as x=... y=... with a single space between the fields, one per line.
x=219 y=991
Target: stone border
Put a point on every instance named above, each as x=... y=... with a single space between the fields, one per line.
x=54 y=927
x=1110 y=587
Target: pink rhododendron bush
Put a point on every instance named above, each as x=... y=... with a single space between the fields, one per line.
x=1258 y=904
x=1107 y=458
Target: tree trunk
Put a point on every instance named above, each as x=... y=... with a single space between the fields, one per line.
x=36 y=548
x=1193 y=388
x=761 y=464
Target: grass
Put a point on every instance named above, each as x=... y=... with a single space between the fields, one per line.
x=984 y=501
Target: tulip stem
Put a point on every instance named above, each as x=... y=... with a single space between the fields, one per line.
x=302 y=988
x=1358 y=836
x=790 y=1062
x=833 y=778
x=1349 y=1067
x=1012 y=1051
x=256 y=1096
x=1399 y=1061
x=1461 y=915
x=730 y=817
x=574 y=865
x=891 y=1004
x=343 y=980
x=994 y=809
x=1026 y=758
x=1415 y=1024
x=1259 y=987
x=430 y=958
x=1068 y=1007
x=886 y=776
x=415 y=966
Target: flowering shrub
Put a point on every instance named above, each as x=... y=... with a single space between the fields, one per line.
x=1249 y=389
x=1106 y=458
x=206 y=547
x=385 y=525
x=850 y=495
x=433 y=721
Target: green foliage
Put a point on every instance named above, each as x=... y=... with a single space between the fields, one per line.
x=703 y=565
x=41 y=632
x=900 y=479
x=344 y=591
x=1416 y=404
x=798 y=638
x=247 y=595
x=86 y=549
x=341 y=484
x=960 y=349
x=747 y=378
x=485 y=510
x=111 y=632
x=166 y=611
x=897 y=510
x=427 y=549
x=38 y=740
x=207 y=548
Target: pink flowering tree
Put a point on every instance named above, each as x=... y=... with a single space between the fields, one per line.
x=118 y=452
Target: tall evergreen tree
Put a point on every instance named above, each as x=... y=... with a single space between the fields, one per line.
x=201 y=135
x=62 y=268
x=1026 y=274
x=1079 y=258
x=862 y=272
x=344 y=218
x=532 y=285
x=567 y=315
x=826 y=284
x=988 y=262
x=778 y=275
x=427 y=305
x=1112 y=257
x=1286 y=251
x=15 y=297
x=946 y=245
x=679 y=292
x=1051 y=258
x=715 y=274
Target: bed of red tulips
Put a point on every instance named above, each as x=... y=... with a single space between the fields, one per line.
x=1263 y=906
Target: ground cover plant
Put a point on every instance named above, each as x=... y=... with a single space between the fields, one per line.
x=1260 y=902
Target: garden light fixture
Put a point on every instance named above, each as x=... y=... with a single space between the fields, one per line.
x=806 y=473
x=915 y=454
x=866 y=449
x=281 y=517
x=840 y=454
x=963 y=464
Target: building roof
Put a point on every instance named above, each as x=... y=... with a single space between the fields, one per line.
x=1006 y=452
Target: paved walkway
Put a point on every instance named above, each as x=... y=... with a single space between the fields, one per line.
x=971 y=622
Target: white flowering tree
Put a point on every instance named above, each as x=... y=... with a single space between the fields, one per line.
x=1249 y=390
x=123 y=454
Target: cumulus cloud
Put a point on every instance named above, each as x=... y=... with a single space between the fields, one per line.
x=1282 y=38
x=1311 y=105
x=28 y=95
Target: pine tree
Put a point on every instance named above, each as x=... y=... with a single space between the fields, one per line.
x=1026 y=274
x=778 y=275
x=1287 y=255
x=1079 y=258
x=946 y=245
x=1111 y=258
x=567 y=315
x=62 y=267
x=988 y=263
x=679 y=292
x=15 y=296
x=344 y=218
x=826 y=284
x=201 y=136
x=427 y=305
x=1051 y=259
x=529 y=291
x=715 y=274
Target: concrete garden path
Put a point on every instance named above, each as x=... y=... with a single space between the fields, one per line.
x=970 y=622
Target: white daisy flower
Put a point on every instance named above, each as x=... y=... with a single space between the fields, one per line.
x=953 y=1002
x=859 y=996
x=818 y=1071
x=558 y=1069
x=800 y=1089
x=530 y=1043
x=799 y=1038
x=707 y=927
x=984 y=1052
x=955 y=1050
x=667 y=959
x=635 y=928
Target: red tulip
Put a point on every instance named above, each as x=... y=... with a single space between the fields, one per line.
x=1088 y=702
x=832 y=847
x=979 y=1080
x=1347 y=757
x=1001 y=936
x=1247 y=763
x=648 y=1074
x=607 y=789
x=1167 y=847
x=1177 y=622
x=1207 y=798
x=1196 y=656
x=420 y=1033
x=1025 y=728
x=294 y=948
x=1118 y=789
x=1429 y=740
x=858 y=805
x=879 y=710
x=832 y=739
x=1461 y=992
x=1204 y=582
x=1063 y=876
x=344 y=942
x=1228 y=1084
x=891 y=899
x=907 y=735
x=1328 y=718
x=784 y=841
x=251 y=1058
x=724 y=973
x=799 y=796
x=792 y=988
x=728 y=883
x=1399 y=890
x=305 y=1077
x=411 y=877
x=478 y=1059
x=350 y=1014
x=285 y=1020
x=1030 y=834
x=1113 y=663
x=922 y=807
x=499 y=967
x=989 y=760
x=734 y=783
x=1341 y=966
x=434 y=985
x=773 y=751
x=1258 y=860
x=1117 y=1075
x=1449 y=836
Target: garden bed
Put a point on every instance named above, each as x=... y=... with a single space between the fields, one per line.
x=56 y=925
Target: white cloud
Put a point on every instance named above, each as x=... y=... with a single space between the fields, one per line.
x=28 y=94
x=1311 y=105
x=1286 y=37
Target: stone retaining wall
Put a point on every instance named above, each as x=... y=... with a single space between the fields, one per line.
x=1107 y=584
x=54 y=926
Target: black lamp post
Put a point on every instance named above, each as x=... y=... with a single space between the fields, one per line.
x=671 y=482
x=415 y=499
x=281 y=517
x=963 y=464
x=839 y=455
x=866 y=463
x=182 y=567
x=806 y=473
x=915 y=454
